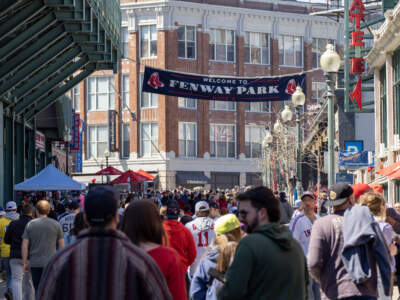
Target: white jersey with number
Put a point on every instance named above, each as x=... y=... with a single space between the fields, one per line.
x=67 y=222
x=301 y=226
x=202 y=229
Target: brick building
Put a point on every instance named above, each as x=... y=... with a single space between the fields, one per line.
x=187 y=141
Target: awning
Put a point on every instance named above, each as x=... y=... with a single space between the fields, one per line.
x=395 y=174
x=390 y=169
x=192 y=178
x=109 y=171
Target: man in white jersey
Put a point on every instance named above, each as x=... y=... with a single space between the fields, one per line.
x=67 y=221
x=202 y=229
x=301 y=226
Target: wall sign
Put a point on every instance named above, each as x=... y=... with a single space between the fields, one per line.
x=112 y=130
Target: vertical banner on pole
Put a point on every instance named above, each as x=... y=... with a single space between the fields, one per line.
x=112 y=130
x=79 y=152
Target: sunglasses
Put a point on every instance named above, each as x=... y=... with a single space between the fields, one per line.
x=243 y=213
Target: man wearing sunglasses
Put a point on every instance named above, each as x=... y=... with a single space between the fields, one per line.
x=269 y=263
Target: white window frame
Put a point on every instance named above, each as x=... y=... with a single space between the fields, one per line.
x=89 y=142
x=222 y=109
x=141 y=26
x=226 y=46
x=151 y=95
x=186 y=41
x=184 y=125
x=144 y=138
x=182 y=103
x=123 y=140
x=248 y=139
x=314 y=87
x=301 y=47
x=260 y=48
x=125 y=91
x=76 y=97
x=227 y=148
x=125 y=42
x=111 y=99
x=251 y=110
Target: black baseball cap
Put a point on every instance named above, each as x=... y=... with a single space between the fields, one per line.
x=338 y=194
x=213 y=204
x=172 y=209
x=101 y=204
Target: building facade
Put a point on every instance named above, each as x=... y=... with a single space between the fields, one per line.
x=196 y=142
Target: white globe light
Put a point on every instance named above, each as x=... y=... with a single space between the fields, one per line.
x=106 y=153
x=330 y=60
x=286 y=114
x=277 y=126
x=267 y=140
x=298 y=97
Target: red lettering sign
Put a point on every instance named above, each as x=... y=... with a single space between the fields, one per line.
x=356 y=65
x=357 y=39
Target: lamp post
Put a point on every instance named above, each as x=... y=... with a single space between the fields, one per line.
x=330 y=64
x=107 y=155
x=266 y=144
x=67 y=139
x=298 y=100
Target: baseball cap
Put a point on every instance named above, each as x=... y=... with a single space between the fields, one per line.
x=201 y=206
x=172 y=209
x=214 y=204
x=360 y=188
x=307 y=193
x=338 y=194
x=11 y=205
x=101 y=204
x=377 y=188
x=73 y=205
x=297 y=203
x=226 y=224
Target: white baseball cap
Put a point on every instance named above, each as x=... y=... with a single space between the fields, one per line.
x=201 y=206
x=11 y=205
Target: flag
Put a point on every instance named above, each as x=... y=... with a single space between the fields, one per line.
x=356 y=94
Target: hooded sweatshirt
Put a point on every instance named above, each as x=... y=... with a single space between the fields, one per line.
x=180 y=238
x=266 y=263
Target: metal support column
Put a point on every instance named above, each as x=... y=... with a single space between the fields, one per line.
x=1 y=153
x=331 y=128
x=299 y=184
x=346 y=56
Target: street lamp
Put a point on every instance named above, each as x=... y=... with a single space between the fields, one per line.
x=266 y=144
x=107 y=155
x=286 y=114
x=277 y=126
x=67 y=139
x=298 y=100
x=330 y=64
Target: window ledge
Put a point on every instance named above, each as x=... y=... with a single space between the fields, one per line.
x=256 y=64
x=289 y=66
x=258 y=112
x=149 y=57
x=222 y=61
x=149 y=107
x=187 y=108
x=187 y=58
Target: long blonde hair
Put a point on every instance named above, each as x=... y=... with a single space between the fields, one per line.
x=374 y=202
x=226 y=255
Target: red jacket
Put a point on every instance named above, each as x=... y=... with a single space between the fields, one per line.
x=181 y=239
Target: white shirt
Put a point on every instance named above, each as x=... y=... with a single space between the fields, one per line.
x=301 y=226
x=202 y=229
x=67 y=222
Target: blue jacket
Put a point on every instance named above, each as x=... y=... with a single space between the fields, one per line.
x=201 y=287
x=361 y=234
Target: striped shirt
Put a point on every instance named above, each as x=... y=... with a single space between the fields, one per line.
x=102 y=264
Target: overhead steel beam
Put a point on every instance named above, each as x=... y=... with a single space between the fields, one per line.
x=23 y=16
x=61 y=61
x=51 y=84
x=32 y=51
x=7 y=5
x=58 y=93
x=21 y=40
x=33 y=66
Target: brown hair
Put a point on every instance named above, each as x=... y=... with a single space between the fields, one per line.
x=226 y=254
x=374 y=202
x=43 y=207
x=142 y=223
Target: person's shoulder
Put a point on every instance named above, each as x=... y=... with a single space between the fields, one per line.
x=297 y=220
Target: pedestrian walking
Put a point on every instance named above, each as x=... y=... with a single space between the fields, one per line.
x=214 y=210
x=21 y=282
x=102 y=264
x=286 y=209
x=269 y=263
x=80 y=224
x=202 y=230
x=301 y=227
x=326 y=257
x=39 y=242
x=178 y=236
x=67 y=221
x=143 y=226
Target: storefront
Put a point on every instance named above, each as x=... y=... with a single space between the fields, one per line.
x=224 y=180
x=191 y=179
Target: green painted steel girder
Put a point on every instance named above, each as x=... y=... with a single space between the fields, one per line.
x=23 y=16
x=372 y=22
x=367 y=89
x=7 y=5
x=51 y=84
x=33 y=50
x=22 y=39
x=61 y=61
x=33 y=66
x=58 y=93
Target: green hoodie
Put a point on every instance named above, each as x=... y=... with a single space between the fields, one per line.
x=269 y=264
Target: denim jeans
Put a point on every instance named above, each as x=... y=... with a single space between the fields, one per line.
x=313 y=290
x=359 y=298
x=5 y=266
x=36 y=275
x=21 y=282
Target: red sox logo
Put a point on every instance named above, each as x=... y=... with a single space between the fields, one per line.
x=291 y=87
x=154 y=81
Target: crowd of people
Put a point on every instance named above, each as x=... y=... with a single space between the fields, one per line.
x=226 y=244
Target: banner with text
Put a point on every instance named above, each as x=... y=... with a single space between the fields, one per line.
x=256 y=89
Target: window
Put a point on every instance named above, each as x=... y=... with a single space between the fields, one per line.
x=148 y=100
x=222 y=45
x=76 y=98
x=97 y=141
x=222 y=105
x=382 y=77
x=101 y=93
x=222 y=141
x=254 y=136
x=149 y=139
x=318 y=89
x=187 y=42
x=187 y=103
x=187 y=139
x=318 y=48
x=125 y=42
x=125 y=91
x=258 y=106
x=125 y=141
x=291 y=51
x=396 y=88
x=148 y=41
x=256 y=48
